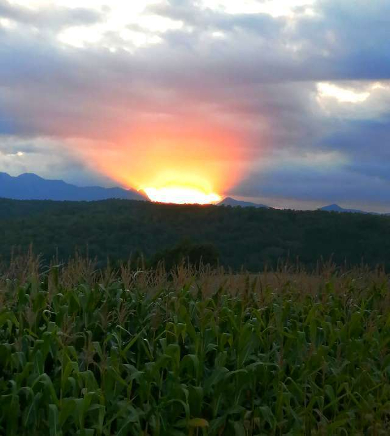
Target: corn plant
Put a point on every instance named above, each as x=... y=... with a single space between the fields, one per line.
x=129 y=353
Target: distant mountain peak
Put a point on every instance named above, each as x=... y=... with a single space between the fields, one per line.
x=336 y=208
x=29 y=176
x=230 y=201
x=29 y=186
x=333 y=207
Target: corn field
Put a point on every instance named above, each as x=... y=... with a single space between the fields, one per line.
x=85 y=352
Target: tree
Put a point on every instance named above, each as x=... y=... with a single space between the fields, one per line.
x=187 y=251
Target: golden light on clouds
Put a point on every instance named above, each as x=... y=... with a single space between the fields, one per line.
x=180 y=163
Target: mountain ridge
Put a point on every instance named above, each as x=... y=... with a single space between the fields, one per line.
x=336 y=208
x=230 y=201
x=30 y=186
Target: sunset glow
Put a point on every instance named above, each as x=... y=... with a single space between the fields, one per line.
x=181 y=195
x=196 y=100
x=175 y=161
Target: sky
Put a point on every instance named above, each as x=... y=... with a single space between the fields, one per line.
x=282 y=102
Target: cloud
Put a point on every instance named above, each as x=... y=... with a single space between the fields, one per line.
x=262 y=94
x=49 y=158
x=50 y=17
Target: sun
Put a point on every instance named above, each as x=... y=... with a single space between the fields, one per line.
x=181 y=195
x=181 y=187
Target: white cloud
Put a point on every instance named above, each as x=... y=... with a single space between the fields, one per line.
x=343 y=95
x=7 y=23
x=129 y=21
x=354 y=100
x=80 y=36
x=275 y=8
x=122 y=19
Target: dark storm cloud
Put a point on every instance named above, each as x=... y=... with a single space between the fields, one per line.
x=252 y=73
x=49 y=17
x=355 y=34
x=208 y=20
x=333 y=185
x=363 y=179
x=361 y=137
x=7 y=126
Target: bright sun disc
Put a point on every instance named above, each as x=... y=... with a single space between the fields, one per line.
x=181 y=195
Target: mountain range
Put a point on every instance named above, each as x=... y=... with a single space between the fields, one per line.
x=229 y=201
x=29 y=186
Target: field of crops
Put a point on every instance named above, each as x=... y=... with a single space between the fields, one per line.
x=192 y=353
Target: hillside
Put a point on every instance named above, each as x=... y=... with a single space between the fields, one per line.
x=243 y=236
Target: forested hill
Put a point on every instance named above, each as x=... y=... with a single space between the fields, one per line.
x=242 y=236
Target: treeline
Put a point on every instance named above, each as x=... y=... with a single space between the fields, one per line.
x=233 y=237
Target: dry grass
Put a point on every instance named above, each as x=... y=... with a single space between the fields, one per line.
x=83 y=270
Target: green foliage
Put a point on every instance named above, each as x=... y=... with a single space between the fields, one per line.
x=187 y=252
x=249 y=237
x=139 y=355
